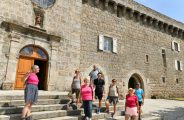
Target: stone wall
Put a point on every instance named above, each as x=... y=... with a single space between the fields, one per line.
x=135 y=41
x=62 y=19
x=140 y=32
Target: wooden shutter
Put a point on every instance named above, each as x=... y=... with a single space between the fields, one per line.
x=172 y=45
x=114 y=45
x=101 y=42
x=181 y=65
x=176 y=64
x=178 y=47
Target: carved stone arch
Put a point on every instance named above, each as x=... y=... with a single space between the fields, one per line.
x=137 y=75
x=29 y=55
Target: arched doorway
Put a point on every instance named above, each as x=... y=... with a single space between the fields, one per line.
x=30 y=55
x=135 y=78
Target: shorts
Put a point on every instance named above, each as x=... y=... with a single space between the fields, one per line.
x=31 y=93
x=112 y=99
x=131 y=111
x=140 y=103
x=98 y=94
x=76 y=91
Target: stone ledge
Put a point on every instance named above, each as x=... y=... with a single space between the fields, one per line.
x=29 y=30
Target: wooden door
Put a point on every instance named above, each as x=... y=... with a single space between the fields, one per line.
x=24 y=65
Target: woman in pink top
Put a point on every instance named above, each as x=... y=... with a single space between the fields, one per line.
x=30 y=92
x=87 y=97
x=131 y=105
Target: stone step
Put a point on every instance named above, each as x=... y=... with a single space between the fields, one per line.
x=95 y=116
x=43 y=115
x=10 y=103
x=95 y=103
x=19 y=95
x=35 y=108
x=62 y=118
x=123 y=117
x=49 y=107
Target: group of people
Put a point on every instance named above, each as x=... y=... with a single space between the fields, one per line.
x=95 y=84
x=84 y=91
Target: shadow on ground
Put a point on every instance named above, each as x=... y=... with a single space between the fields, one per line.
x=171 y=113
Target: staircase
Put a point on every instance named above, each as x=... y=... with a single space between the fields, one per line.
x=50 y=107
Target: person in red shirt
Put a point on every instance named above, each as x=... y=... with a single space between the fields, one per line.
x=131 y=105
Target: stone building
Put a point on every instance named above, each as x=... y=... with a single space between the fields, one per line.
x=125 y=40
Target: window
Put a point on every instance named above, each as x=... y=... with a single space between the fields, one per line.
x=164 y=58
x=44 y=3
x=107 y=44
x=27 y=51
x=177 y=80
x=175 y=46
x=147 y=58
x=163 y=79
x=178 y=65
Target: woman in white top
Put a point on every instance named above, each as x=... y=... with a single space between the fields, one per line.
x=76 y=85
x=113 y=96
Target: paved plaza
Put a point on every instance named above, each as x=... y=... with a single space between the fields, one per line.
x=167 y=109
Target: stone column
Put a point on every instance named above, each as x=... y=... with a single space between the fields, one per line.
x=115 y=8
x=97 y=3
x=175 y=31
x=180 y=33
x=161 y=26
x=106 y=4
x=136 y=16
x=166 y=27
x=149 y=21
x=12 y=55
x=155 y=23
x=53 y=75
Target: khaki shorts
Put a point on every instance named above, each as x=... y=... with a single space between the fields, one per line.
x=77 y=92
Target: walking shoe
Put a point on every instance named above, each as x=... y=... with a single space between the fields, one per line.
x=98 y=111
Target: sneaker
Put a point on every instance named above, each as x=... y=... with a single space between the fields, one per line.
x=98 y=111
x=86 y=118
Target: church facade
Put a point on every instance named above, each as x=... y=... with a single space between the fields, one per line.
x=125 y=40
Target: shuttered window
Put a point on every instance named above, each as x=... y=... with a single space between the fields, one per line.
x=178 y=65
x=107 y=43
x=175 y=46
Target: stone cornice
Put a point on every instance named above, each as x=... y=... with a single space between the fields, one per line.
x=29 y=30
x=142 y=18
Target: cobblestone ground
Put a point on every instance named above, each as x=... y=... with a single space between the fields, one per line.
x=167 y=109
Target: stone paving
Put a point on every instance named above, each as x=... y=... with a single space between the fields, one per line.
x=167 y=109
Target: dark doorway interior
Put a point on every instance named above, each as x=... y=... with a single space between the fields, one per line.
x=42 y=75
x=132 y=83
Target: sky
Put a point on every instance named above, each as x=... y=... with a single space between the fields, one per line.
x=170 y=8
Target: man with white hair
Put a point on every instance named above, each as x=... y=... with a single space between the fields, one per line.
x=93 y=74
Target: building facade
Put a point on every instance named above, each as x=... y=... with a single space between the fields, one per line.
x=125 y=40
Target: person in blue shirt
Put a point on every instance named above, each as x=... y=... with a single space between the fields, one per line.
x=140 y=95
